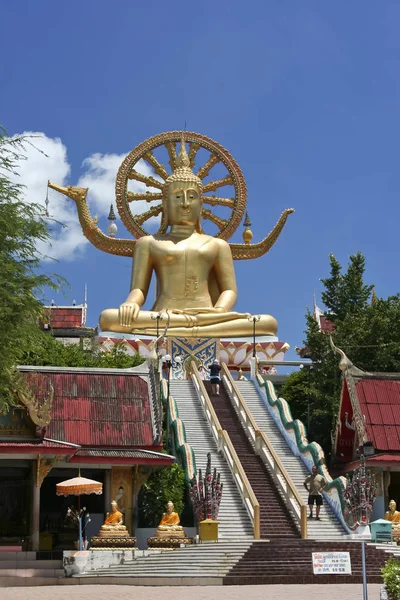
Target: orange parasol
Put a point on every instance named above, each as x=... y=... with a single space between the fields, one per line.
x=78 y=486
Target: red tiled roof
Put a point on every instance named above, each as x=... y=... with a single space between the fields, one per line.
x=40 y=447
x=65 y=318
x=123 y=456
x=379 y=401
x=96 y=409
x=325 y=324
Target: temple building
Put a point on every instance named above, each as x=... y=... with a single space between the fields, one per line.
x=68 y=323
x=369 y=423
x=104 y=422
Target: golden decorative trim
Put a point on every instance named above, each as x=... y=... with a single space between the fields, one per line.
x=169 y=139
x=250 y=251
x=44 y=466
x=40 y=414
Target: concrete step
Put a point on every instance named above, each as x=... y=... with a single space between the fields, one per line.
x=293 y=464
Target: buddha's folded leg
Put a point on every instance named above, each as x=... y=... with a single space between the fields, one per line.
x=109 y=321
x=238 y=328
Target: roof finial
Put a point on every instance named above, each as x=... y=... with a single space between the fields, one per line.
x=247 y=233
x=345 y=364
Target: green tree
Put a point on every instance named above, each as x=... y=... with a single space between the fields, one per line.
x=368 y=332
x=162 y=486
x=42 y=349
x=23 y=229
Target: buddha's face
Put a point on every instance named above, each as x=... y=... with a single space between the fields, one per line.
x=184 y=203
x=392 y=505
x=113 y=506
x=170 y=507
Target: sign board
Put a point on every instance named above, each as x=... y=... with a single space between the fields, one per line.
x=381 y=531
x=331 y=563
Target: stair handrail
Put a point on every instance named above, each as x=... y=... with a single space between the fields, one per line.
x=265 y=450
x=225 y=445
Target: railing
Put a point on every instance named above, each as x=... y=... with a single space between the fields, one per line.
x=264 y=449
x=176 y=435
x=224 y=445
x=310 y=453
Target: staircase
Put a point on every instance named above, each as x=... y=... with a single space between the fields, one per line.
x=19 y=568
x=291 y=563
x=275 y=519
x=234 y=521
x=201 y=564
x=329 y=527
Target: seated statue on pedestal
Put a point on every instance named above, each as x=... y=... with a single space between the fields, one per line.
x=196 y=284
x=169 y=524
x=113 y=525
x=113 y=533
x=169 y=533
x=393 y=515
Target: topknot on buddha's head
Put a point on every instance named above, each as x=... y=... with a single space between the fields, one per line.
x=182 y=171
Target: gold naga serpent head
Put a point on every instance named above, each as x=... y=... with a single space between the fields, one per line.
x=142 y=165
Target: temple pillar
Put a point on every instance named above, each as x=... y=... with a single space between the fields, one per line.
x=107 y=490
x=35 y=507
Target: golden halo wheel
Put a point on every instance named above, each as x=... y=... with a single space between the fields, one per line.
x=217 y=155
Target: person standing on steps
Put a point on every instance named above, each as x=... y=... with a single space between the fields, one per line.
x=314 y=485
x=201 y=372
x=215 y=379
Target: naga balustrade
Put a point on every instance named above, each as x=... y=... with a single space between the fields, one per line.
x=264 y=449
x=225 y=446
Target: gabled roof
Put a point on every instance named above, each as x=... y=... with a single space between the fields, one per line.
x=375 y=403
x=98 y=407
x=379 y=401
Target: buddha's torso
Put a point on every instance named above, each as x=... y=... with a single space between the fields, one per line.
x=183 y=268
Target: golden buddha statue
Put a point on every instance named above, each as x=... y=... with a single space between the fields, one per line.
x=169 y=533
x=169 y=524
x=196 y=284
x=392 y=514
x=113 y=525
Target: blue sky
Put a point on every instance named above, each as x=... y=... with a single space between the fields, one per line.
x=305 y=95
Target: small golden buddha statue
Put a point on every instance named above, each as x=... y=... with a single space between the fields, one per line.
x=169 y=533
x=113 y=525
x=169 y=524
x=392 y=514
x=196 y=281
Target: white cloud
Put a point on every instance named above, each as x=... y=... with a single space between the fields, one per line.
x=68 y=242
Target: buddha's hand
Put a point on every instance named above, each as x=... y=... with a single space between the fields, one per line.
x=128 y=312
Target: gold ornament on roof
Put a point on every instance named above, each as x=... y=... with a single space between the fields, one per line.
x=196 y=286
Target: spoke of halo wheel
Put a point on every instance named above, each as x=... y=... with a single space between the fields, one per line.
x=172 y=154
x=204 y=171
x=148 y=196
x=215 y=201
x=193 y=149
x=149 y=181
x=220 y=223
x=211 y=186
x=158 y=167
x=152 y=212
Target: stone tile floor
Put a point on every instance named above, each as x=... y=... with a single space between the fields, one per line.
x=253 y=592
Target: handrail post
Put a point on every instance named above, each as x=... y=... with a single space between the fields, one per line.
x=303 y=522
x=257 y=522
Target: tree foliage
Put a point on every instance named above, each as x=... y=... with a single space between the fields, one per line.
x=368 y=332
x=162 y=486
x=23 y=229
x=43 y=349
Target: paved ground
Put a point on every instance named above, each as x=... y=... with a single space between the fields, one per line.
x=252 y=592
